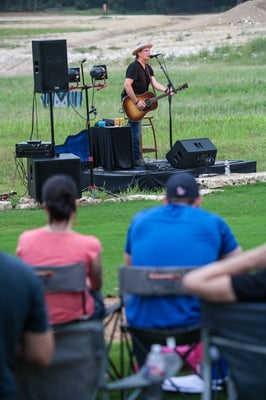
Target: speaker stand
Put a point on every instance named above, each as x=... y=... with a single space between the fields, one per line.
x=92 y=186
x=52 y=125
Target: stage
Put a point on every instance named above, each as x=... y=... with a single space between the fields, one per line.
x=113 y=161
x=153 y=175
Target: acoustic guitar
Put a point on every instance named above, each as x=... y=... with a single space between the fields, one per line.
x=151 y=101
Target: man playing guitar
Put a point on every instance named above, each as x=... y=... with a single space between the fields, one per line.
x=139 y=75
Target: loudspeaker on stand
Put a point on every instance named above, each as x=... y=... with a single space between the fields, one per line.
x=50 y=66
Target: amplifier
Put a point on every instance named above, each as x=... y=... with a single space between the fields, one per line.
x=34 y=148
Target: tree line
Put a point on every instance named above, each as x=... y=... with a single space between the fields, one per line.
x=122 y=6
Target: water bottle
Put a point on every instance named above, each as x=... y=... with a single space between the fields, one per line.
x=227 y=170
x=155 y=363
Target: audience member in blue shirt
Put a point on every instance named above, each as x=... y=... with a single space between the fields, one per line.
x=178 y=233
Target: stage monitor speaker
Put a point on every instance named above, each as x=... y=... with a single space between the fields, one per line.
x=40 y=169
x=50 y=67
x=192 y=153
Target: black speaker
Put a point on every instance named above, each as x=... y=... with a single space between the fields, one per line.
x=192 y=153
x=50 y=68
x=40 y=169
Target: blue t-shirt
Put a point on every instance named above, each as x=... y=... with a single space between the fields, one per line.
x=173 y=235
x=22 y=308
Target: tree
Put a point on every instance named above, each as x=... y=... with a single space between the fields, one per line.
x=126 y=6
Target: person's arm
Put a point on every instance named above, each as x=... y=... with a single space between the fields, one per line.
x=37 y=348
x=128 y=244
x=129 y=90
x=37 y=340
x=140 y=104
x=96 y=273
x=236 y=251
x=213 y=282
x=158 y=85
x=127 y=258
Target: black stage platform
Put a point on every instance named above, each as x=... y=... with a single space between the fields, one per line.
x=153 y=175
x=114 y=163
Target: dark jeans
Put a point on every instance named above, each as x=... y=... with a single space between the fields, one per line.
x=136 y=132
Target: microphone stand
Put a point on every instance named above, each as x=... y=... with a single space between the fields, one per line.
x=170 y=87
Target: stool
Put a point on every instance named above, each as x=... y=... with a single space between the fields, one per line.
x=147 y=123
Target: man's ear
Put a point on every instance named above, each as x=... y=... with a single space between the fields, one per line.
x=198 y=201
x=165 y=201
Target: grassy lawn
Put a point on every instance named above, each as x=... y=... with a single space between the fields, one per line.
x=242 y=207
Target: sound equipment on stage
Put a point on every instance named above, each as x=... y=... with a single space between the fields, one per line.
x=34 y=148
x=50 y=68
x=192 y=153
x=40 y=169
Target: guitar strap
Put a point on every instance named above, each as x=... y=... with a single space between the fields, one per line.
x=149 y=76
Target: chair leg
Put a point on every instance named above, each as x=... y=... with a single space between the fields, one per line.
x=116 y=316
x=207 y=376
x=231 y=390
x=105 y=394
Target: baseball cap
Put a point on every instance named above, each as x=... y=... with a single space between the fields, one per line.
x=182 y=184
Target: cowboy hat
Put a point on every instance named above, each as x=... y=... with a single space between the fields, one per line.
x=141 y=46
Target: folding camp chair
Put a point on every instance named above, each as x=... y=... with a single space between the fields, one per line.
x=237 y=330
x=79 y=362
x=153 y=282
x=159 y=282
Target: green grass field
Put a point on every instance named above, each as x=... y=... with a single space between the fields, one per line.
x=242 y=207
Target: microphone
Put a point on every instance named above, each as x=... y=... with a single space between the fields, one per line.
x=93 y=110
x=83 y=61
x=155 y=55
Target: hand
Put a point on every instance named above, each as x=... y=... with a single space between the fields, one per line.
x=141 y=105
x=171 y=92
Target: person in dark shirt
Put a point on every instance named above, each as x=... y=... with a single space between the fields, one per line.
x=231 y=279
x=24 y=328
x=139 y=75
